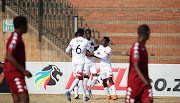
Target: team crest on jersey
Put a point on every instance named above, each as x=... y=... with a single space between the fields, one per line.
x=12 y=46
x=136 y=54
x=48 y=76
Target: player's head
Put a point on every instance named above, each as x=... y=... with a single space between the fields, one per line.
x=80 y=32
x=20 y=23
x=144 y=32
x=88 y=34
x=105 y=41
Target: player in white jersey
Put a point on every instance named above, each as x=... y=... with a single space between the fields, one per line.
x=104 y=53
x=78 y=45
x=90 y=65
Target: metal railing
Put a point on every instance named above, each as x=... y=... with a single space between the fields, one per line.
x=52 y=18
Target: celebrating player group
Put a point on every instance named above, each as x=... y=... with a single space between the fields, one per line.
x=83 y=64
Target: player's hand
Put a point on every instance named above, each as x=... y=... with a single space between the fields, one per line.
x=87 y=53
x=27 y=73
x=147 y=83
x=91 y=54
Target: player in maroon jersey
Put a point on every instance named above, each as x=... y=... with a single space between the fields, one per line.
x=139 y=88
x=14 y=66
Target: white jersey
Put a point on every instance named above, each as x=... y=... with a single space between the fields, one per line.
x=87 y=58
x=104 y=54
x=78 y=46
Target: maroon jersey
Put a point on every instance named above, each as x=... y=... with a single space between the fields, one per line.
x=138 y=54
x=15 y=45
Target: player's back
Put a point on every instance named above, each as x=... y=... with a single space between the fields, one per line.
x=79 y=46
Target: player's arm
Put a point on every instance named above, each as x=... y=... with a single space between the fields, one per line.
x=14 y=62
x=95 y=52
x=137 y=69
x=69 y=48
x=136 y=59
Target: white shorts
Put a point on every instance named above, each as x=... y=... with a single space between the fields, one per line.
x=77 y=69
x=89 y=68
x=106 y=72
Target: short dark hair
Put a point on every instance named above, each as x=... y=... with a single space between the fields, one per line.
x=18 y=21
x=88 y=30
x=75 y=34
x=80 y=31
x=143 y=29
x=107 y=39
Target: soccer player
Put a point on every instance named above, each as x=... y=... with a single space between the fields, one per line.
x=78 y=45
x=14 y=66
x=90 y=65
x=2 y=74
x=139 y=88
x=104 y=53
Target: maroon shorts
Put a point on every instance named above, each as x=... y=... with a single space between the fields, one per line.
x=16 y=83
x=139 y=94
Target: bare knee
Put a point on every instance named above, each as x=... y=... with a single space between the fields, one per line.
x=111 y=81
x=79 y=77
x=105 y=83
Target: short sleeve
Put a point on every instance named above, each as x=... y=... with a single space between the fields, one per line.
x=13 y=42
x=71 y=43
x=68 y=49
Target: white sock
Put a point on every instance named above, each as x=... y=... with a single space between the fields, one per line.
x=76 y=91
x=107 y=91
x=93 y=82
x=75 y=82
x=113 y=89
x=85 y=80
x=82 y=86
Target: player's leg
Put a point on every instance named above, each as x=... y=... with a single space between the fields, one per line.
x=95 y=78
x=23 y=98
x=147 y=95
x=74 y=84
x=110 y=75
x=76 y=87
x=106 y=89
x=86 y=75
x=113 y=88
x=15 y=98
x=76 y=92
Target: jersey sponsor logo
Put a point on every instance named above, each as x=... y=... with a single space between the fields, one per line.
x=117 y=82
x=48 y=75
